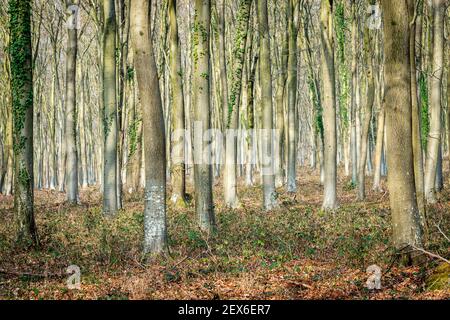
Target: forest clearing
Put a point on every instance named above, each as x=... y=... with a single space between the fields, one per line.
x=224 y=150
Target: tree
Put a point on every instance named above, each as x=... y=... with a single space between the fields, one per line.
x=416 y=40
x=202 y=115
x=155 y=230
x=265 y=72
x=354 y=92
x=71 y=105
x=329 y=105
x=232 y=123
x=405 y=216
x=110 y=195
x=368 y=41
x=434 y=135
x=176 y=74
x=22 y=112
x=292 y=99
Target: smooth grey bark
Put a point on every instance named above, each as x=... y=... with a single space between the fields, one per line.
x=292 y=99
x=202 y=116
x=434 y=136
x=155 y=229
x=405 y=214
x=267 y=164
x=232 y=119
x=110 y=199
x=353 y=92
x=329 y=106
x=178 y=153
x=71 y=109
x=416 y=40
x=367 y=114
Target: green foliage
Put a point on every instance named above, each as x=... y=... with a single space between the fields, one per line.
x=21 y=68
x=318 y=125
x=424 y=107
x=130 y=73
x=133 y=136
x=240 y=40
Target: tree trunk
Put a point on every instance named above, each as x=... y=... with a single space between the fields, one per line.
x=267 y=161
x=22 y=106
x=405 y=215
x=434 y=136
x=292 y=99
x=176 y=77
x=353 y=92
x=202 y=116
x=71 y=107
x=415 y=39
x=329 y=105
x=232 y=122
x=110 y=199
x=367 y=114
x=379 y=148
x=155 y=230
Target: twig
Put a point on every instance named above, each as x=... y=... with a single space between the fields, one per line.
x=431 y=254
x=442 y=232
x=29 y=274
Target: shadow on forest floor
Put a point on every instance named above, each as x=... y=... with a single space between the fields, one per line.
x=294 y=252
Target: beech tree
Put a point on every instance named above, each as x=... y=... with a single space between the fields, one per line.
x=155 y=230
x=405 y=214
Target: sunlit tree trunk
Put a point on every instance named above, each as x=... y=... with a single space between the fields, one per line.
x=405 y=215
x=292 y=99
x=202 y=115
x=71 y=107
x=353 y=92
x=329 y=105
x=155 y=230
x=176 y=77
x=232 y=122
x=368 y=54
x=415 y=40
x=110 y=199
x=434 y=136
x=267 y=163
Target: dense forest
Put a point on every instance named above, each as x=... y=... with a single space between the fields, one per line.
x=224 y=149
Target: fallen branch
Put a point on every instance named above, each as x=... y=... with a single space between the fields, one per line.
x=30 y=274
x=431 y=254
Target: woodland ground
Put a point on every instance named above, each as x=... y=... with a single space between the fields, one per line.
x=294 y=252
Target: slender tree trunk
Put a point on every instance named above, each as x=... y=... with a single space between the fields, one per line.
x=329 y=105
x=71 y=108
x=379 y=149
x=353 y=92
x=434 y=136
x=202 y=116
x=367 y=114
x=292 y=99
x=448 y=94
x=405 y=215
x=267 y=163
x=22 y=106
x=415 y=39
x=110 y=200
x=232 y=123
x=155 y=230
x=281 y=79
x=176 y=77
x=9 y=154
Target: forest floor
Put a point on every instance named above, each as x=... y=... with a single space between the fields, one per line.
x=294 y=252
